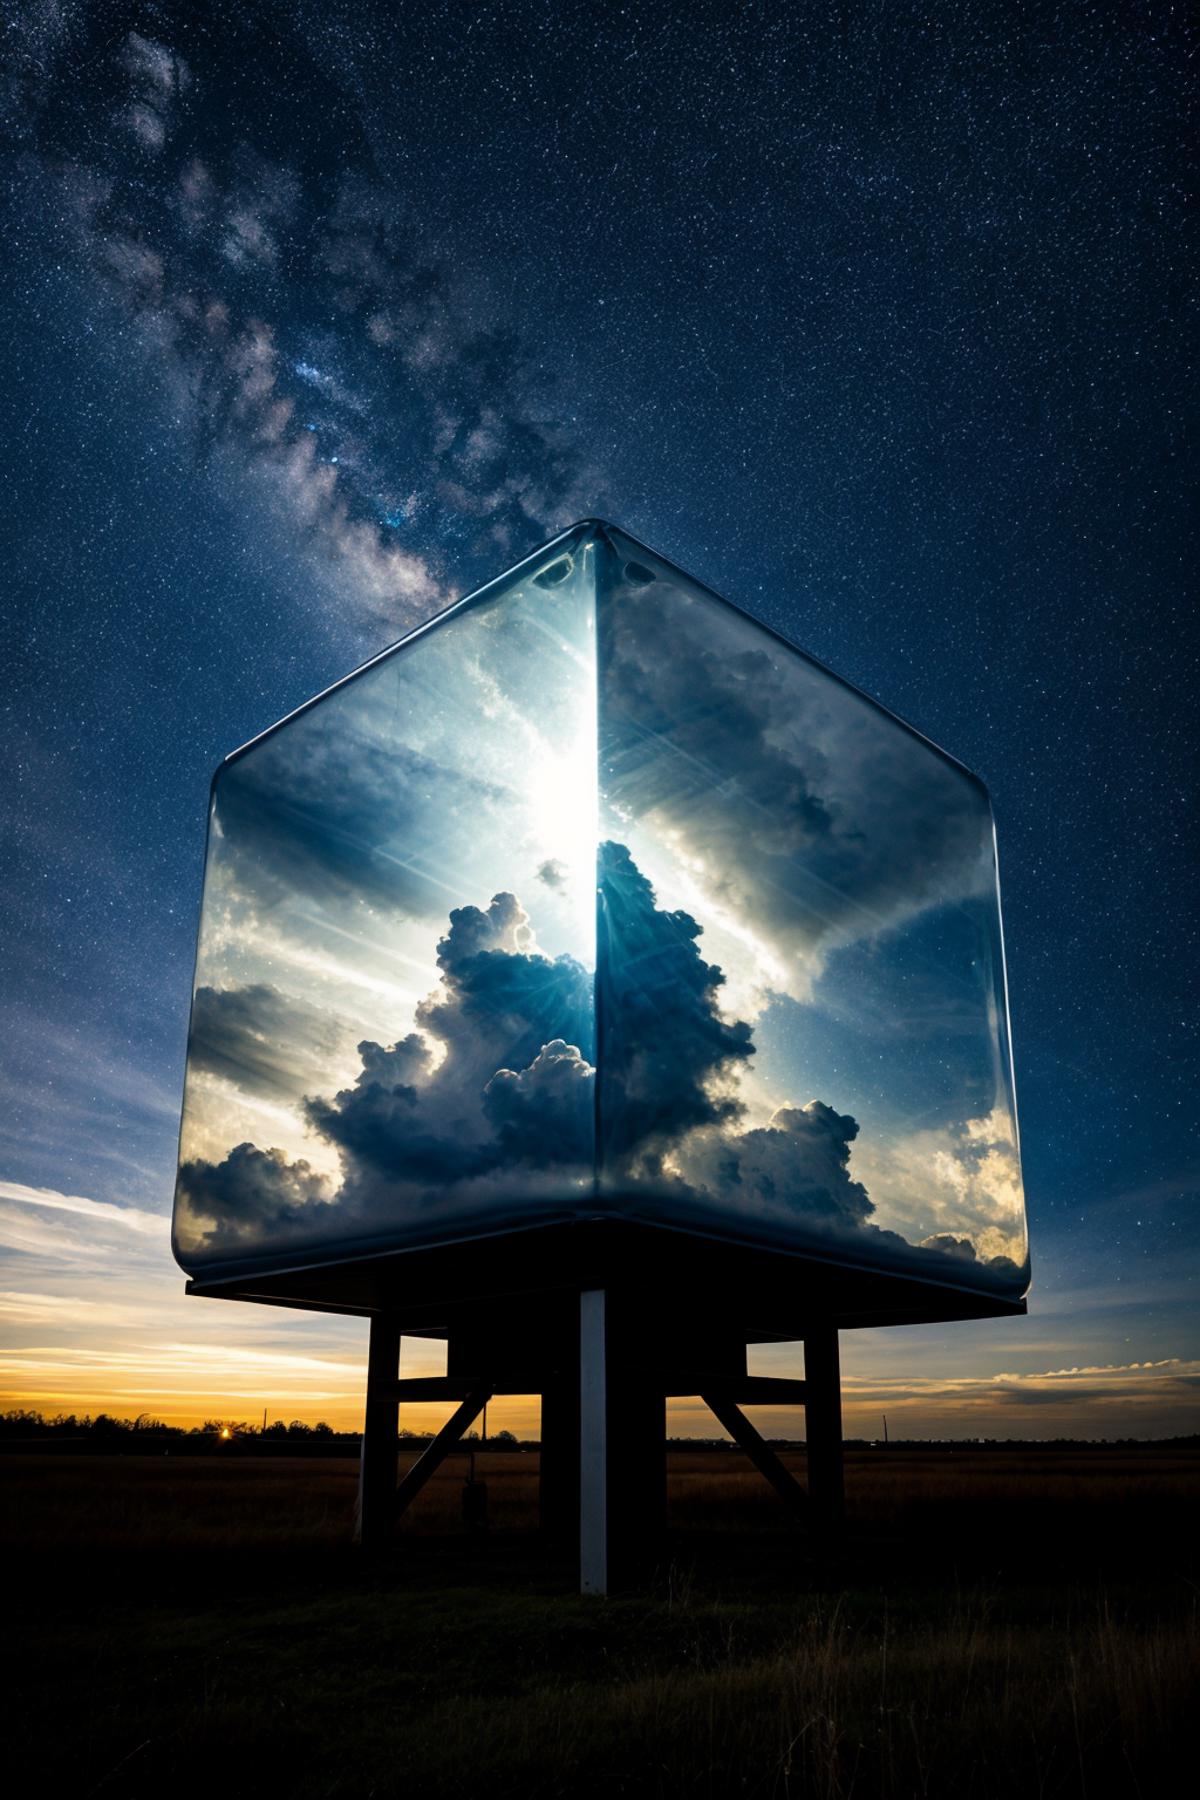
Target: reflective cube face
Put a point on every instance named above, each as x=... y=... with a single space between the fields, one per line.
x=596 y=897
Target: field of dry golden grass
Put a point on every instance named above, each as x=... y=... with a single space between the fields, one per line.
x=994 y=1623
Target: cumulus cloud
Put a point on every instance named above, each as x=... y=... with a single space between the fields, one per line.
x=498 y=1080
x=386 y=1134
x=510 y=1084
x=506 y=1022
x=254 y=1197
x=797 y=811
x=501 y=1000
x=492 y=1079
x=793 y=1175
x=1002 y=1268
x=955 y=1190
x=545 y=1113
x=302 y=332
x=668 y=1057
x=496 y=1094
x=947 y=1245
x=797 y=1166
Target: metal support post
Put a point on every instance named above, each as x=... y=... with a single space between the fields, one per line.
x=765 y=1460
x=622 y=1447
x=558 y=1459
x=377 y=1468
x=593 y=1442
x=431 y=1459
x=823 y=1412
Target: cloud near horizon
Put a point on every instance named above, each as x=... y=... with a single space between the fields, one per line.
x=1095 y=1384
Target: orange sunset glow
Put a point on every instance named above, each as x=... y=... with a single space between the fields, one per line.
x=103 y=1325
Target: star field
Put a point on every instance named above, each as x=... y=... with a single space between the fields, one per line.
x=881 y=322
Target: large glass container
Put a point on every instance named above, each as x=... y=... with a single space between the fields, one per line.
x=596 y=897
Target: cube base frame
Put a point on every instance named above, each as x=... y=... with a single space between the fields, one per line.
x=605 y=1320
x=603 y=1301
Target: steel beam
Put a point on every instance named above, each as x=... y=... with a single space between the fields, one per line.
x=377 y=1467
x=741 y=1390
x=823 y=1427
x=458 y=1387
x=760 y=1453
x=432 y=1459
x=593 y=1441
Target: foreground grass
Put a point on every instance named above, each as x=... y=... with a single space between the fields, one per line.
x=995 y=1624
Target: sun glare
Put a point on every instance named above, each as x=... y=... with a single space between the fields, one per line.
x=563 y=812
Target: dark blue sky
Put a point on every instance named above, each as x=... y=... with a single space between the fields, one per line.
x=881 y=323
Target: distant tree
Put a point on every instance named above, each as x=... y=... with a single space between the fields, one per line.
x=505 y=1437
x=21 y=1422
x=321 y=1429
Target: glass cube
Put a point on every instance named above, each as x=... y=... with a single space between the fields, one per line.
x=595 y=897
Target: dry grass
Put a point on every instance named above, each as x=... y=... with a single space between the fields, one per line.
x=998 y=1623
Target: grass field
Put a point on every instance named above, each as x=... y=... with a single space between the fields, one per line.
x=995 y=1623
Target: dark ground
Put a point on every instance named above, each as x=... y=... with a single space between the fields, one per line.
x=996 y=1622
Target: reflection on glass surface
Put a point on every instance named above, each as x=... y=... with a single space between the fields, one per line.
x=392 y=1031
x=803 y=1030
x=597 y=896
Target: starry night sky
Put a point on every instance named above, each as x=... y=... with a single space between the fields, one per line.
x=880 y=321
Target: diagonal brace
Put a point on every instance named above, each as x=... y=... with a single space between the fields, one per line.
x=432 y=1459
x=759 y=1451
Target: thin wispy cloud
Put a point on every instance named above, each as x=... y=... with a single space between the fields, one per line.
x=1153 y=1399
x=61 y=1230
x=1116 y=1380
x=100 y=1212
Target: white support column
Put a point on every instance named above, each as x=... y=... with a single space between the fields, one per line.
x=593 y=1444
